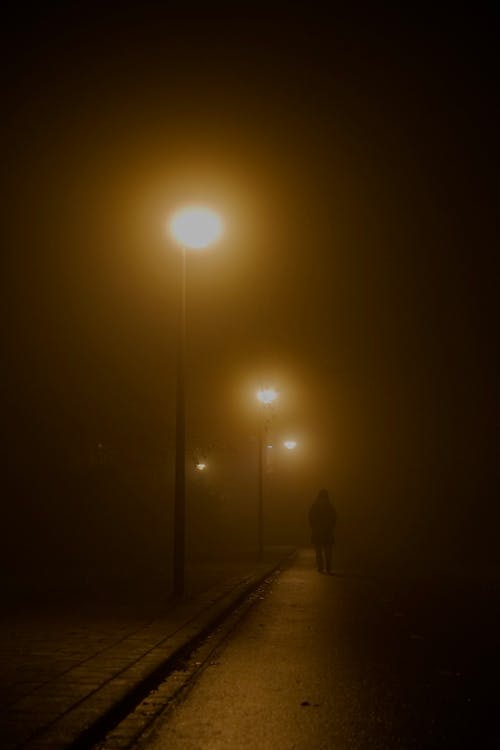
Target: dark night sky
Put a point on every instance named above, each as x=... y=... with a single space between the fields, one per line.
x=355 y=159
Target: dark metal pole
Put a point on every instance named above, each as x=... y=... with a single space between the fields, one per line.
x=180 y=444
x=260 y=521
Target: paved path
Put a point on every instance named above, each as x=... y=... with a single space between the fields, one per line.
x=65 y=666
x=348 y=663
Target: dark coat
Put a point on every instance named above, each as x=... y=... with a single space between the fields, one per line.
x=322 y=519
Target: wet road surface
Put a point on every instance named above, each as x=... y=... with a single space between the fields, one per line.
x=348 y=662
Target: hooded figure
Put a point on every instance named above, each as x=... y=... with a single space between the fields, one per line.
x=322 y=519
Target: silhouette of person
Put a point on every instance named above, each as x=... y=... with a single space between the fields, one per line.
x=322 y=520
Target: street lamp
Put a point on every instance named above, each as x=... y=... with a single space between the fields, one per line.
x=266 y=396
x=290 y=445
x=196 y=227
x=192 y=227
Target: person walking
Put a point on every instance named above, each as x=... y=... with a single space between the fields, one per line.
x=322 y=520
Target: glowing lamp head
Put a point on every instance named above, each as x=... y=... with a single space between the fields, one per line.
x=201 y=466
x=267 y=395
x=196 y=227
x=290 y=444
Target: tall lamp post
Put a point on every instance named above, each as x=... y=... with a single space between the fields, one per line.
x=266 y=396
x=193 y=228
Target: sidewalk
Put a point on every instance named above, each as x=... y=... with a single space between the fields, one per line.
x=69 y=671
x=345 y=661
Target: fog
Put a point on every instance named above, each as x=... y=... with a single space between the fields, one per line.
x=353 y=162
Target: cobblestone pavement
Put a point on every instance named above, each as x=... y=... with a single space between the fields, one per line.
x=66 y=664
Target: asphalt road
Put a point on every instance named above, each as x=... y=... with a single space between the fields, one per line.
x=348 y=662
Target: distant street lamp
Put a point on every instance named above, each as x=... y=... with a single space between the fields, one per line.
x=192 y=227
x=290 y=445
x=266 y=396
x=200 y=466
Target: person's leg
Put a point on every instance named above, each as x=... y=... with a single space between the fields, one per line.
x=328 y=557
x=319 y=557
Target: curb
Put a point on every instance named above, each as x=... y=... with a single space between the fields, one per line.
x=86 y=723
